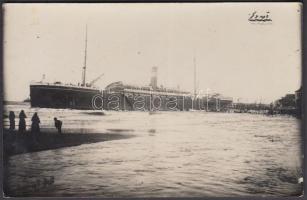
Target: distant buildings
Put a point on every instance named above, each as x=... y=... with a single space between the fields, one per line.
x=290 y=103
x=298 y=97
x=290 y=100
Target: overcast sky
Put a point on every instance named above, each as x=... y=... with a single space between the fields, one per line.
x=235 y=57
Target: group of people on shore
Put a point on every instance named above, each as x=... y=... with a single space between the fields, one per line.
x=35 y=128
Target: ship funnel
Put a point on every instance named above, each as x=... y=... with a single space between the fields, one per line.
x=154 y=78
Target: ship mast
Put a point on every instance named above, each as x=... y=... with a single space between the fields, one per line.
x=85 y=54
x=194 y=77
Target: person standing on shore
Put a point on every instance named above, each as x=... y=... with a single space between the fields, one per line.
x=12 y=120
x=35 y=124
x=58 y=125
x=22 y=122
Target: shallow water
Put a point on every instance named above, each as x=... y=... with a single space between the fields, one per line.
x=173 y=154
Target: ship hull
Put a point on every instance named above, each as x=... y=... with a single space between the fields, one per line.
x=145 y=102
x=65 y=97
x=133 y=101
x=84 y=98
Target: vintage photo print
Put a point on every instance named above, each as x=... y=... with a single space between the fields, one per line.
x=145 y=100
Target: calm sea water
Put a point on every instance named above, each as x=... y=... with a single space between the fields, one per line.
x=173 y=154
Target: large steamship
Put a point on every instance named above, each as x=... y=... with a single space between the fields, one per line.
x=82 y=96
x=121 y=96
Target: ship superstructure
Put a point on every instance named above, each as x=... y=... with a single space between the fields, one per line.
x=121 y=96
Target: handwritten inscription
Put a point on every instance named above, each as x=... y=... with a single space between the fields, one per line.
x=262 y=18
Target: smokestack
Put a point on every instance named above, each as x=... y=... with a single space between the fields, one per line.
x=154 y=77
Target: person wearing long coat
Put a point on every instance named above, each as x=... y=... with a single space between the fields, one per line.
x=12 y=120
x=22 y=122
x=35 y=124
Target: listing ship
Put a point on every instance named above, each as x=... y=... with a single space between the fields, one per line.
x=82 y=96
x=126 y=97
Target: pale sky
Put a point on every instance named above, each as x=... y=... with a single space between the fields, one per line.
x=235 y=57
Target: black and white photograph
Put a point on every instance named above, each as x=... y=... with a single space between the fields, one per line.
x=149 y=100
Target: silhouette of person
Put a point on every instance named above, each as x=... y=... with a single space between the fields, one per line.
x=12 y=120
x=22 y=121
x=35 y=123
x=58 y=125
x=271 y=110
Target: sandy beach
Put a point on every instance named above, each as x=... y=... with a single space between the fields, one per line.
x=18 y=143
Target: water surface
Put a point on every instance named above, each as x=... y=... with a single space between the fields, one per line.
x=173 y=154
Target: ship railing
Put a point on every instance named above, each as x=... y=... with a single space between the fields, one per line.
x=63 y=84
x=149 y=88
x=153 y=92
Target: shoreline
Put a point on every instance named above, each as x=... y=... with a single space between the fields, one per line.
x=18 y=143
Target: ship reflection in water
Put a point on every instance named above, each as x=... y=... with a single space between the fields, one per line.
x=173 y=154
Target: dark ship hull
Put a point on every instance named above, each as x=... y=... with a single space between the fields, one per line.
x=65 y=97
